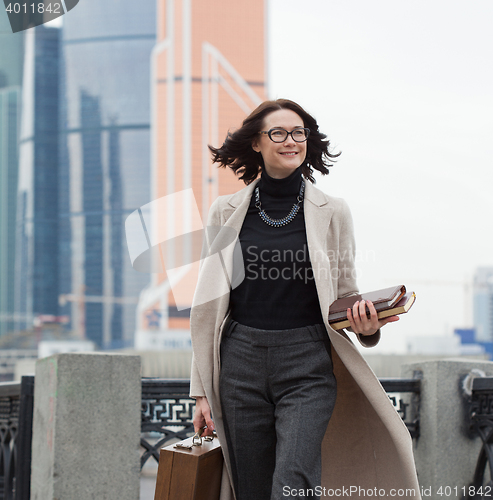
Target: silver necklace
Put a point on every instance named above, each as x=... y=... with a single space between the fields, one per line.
x=285 y=220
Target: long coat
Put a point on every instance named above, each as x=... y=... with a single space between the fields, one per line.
x=366 y=446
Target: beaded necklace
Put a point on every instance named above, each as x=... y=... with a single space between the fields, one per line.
x=285 y=220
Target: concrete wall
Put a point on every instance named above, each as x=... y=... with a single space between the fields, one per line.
x=172 y=363
x=390 y=365
x=86 y=429
x=445 y=452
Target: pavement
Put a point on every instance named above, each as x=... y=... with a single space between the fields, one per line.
x=147 y=486
x=148 y=480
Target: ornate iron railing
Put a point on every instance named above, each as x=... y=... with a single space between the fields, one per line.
x=405 y=396
x=167 y=410
x=167 y=413
x=481 y=424
x=16 y=418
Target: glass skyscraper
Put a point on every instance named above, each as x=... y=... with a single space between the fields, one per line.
x=11 y=63
x=36 y=269
x=483 y=304
x=104 y=171
x=11 y=53
x=9 y=125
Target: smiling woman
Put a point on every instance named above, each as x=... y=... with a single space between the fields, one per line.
x=287 y=392
x=244 y=149
x=281 y=157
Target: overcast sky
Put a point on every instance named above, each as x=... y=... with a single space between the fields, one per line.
x=404 y=90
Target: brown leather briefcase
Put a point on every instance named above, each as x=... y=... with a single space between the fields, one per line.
x=189 y=470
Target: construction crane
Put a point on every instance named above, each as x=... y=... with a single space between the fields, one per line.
x=81 y=299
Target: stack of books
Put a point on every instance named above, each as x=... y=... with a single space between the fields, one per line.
x=388 y=302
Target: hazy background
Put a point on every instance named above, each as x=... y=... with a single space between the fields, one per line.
x=404 y=90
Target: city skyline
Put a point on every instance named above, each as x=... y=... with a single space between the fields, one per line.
x=204 y=86
x=83 y=166
x=410 y=114
x=104 y=164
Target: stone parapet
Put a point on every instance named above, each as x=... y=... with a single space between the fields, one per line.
x=445 y=452
x=86 y=428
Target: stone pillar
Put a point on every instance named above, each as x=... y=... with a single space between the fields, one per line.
x=86 y=428
x=445 y=452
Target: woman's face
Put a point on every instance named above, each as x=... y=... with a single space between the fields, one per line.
x=281 y=158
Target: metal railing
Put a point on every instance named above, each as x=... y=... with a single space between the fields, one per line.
x=481 y=424
x=16 y=419
x=167 y=410
x=167 y=413
x=405 y=396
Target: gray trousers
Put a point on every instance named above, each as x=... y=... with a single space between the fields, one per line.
x=277 y=391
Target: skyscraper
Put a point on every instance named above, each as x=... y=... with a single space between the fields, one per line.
x=483 y=304
x=11 y=53
x=37 y=198
x=11 y=63
x=209 y=72
x=104 y=162
x=9 y=125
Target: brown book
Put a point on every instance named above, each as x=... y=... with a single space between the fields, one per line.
x=401 y=307
x=381 y=299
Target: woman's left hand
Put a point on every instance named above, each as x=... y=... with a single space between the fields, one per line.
x=361 y=323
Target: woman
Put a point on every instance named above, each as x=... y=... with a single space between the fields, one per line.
x=294 y=404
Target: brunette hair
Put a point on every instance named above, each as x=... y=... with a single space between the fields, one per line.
x=238 y=154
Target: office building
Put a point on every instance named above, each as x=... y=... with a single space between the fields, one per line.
x=11 y=53
x=209 y=72
x=36 y=269
x=11 y=64
x=483 y=304
x=9 y=128
x=104 y=163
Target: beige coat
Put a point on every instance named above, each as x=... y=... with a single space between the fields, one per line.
x=366 y=444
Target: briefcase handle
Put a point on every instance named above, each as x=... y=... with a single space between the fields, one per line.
x=196 y=440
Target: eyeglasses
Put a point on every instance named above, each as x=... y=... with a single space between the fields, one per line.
x=280 y=135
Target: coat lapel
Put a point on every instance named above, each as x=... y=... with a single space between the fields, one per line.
x=318 y=214
x=214 y=276
x=233 y=216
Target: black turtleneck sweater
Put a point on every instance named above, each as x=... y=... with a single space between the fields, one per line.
x=278 y=291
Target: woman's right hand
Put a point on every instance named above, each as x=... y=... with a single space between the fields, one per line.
x=202 y=416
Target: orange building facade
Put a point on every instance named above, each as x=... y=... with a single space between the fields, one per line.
x=209 y=70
